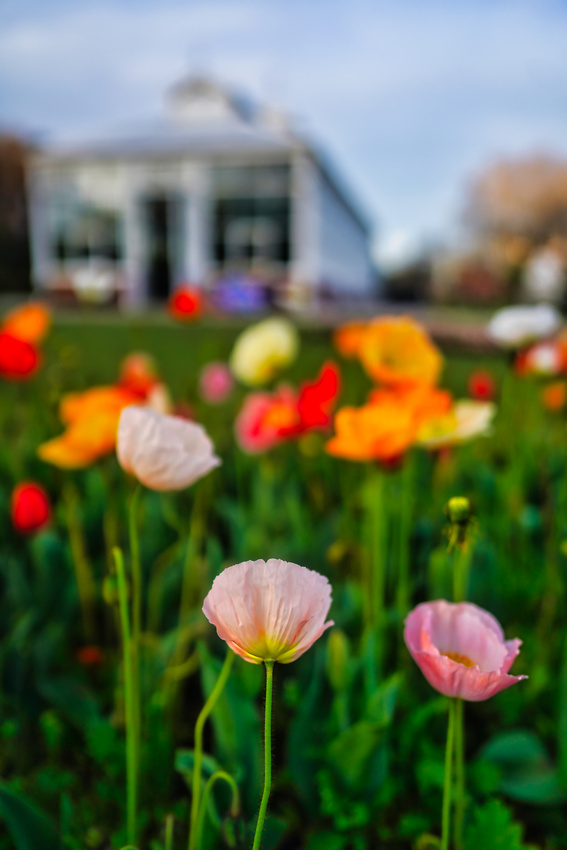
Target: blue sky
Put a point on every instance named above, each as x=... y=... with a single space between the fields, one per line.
x=410 y=97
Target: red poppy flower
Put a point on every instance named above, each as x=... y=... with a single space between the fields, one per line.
x=316 y=398
x=267 y=419
x=186 y=304
x=18 y=359
x=30 y=508
x=482 y=386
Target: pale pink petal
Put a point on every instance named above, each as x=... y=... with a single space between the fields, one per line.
x=435 y=630
x=266 y=609
x=163 y=452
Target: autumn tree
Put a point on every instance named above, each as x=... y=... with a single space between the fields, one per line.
x=14 y=251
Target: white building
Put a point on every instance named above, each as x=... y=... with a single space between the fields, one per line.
x=214 y=187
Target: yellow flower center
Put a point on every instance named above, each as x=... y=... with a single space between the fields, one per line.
x=460 y=659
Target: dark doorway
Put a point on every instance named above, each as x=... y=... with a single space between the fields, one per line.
x=157 y=213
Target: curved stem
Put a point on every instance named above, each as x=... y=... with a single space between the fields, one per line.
x=234 y=805
x=198 y=750
x=448 y=781
x=129 y=700
x=460 y=801
x=267 y=756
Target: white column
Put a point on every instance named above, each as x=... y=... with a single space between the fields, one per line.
x=42 y=261
x=134 y=254
x=305 y=221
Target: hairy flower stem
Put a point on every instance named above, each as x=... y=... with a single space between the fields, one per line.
x=460 y=801
x=448 y=780
x=129 y=700
x=198 y=748
x=267 y=756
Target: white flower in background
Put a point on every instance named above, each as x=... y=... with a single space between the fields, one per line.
x=465 y=421
x=94 y=283
x=545 y=358
x=514 y=327
x=262 y=350
x=163 y=452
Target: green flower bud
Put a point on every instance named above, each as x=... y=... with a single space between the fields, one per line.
x=458 y=510
x=338 y=657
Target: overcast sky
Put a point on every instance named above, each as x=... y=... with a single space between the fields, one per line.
x=410 y=97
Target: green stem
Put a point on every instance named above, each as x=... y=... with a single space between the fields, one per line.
x=234 y=805
x=198 y=748
x=460 y=801
x=135 y=566
x=377 y=520
x=404 y=533
x=136 y=571
x=448 y=780
x=129 y=700
x=169 y=824
x=267 y=756
x=461 y=562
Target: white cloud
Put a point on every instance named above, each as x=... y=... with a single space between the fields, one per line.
x=411 y=96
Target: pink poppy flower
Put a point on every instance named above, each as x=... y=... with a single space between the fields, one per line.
x=269 y=610
x=163 y=452
x=460 y=649
x=216 y=382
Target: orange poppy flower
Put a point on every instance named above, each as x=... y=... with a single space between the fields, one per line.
x=29 y=323
x=554 y=396
x=348 y=339
x=138 y=373
x=92 y=424
x=398 y=352
x=424 y=401
x=382 y=431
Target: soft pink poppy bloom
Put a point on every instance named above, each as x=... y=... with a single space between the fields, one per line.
x=460 y=649
x=263 y=416
x=269 y=610
x=216 y=382
x=163 y=452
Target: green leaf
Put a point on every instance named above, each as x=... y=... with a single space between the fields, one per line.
x=328 y=841
x=526 y=771
x=29 y=827
x=493 y=827
x=71 y=699
x=351 y=751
